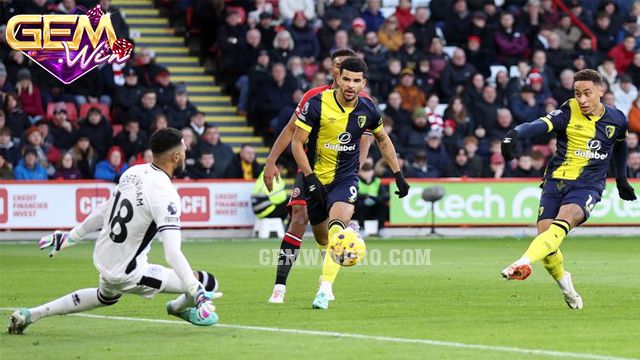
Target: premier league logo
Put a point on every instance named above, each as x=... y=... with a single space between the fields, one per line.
x=172 y=209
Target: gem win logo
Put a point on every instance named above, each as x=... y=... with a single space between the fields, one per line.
x=68 y=46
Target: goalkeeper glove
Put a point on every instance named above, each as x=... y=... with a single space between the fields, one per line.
x=58 y=241
x=202 y=299
x=508 y=143
x=402 y=184
x=625 y=191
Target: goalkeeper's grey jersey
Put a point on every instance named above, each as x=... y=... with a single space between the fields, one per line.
x=144 y=202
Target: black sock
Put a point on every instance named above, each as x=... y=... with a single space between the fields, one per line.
x=289 y=250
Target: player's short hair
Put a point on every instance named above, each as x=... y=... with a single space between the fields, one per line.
x=342 y=52
x=354 y=64
x=164 y=139
x=588 y=75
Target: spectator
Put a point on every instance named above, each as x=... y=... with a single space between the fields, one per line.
x=267 y=30
x=537 y=84
x=457 y=24
x=634 y=69
x=472 y=92
x=496 y=166
x=450 y=139
x=389 y=35
x=412 y=96
x=423 y=28
x=436 y=122
x=403 y=14
x=327 y=33
x=357 y=33
x=29 y=168
x=289 y=8
x=510 y=42
x=205 y=169
x=437 y=58
x=276 y=95
x=609 y=99
x=610 y=8
x=128 y=95
x=120 y=27
x=470 y=144
x=47 y=155
x=401 y=118
x=634 y=116
x=557 y=58
x=112 y=167
x=16 y=62
x=457 y=111
x=145 y=157
x=478 y=55
x=250 y=85
x=97 y=128
x=408 y=54
x=456 y=74
x=502 y=88
x=146 y=67
x=538 y=162
x=8 y=149
x=222 y=153
x=372 y=15
x=244 y=165
x=436 y=152
x=633 y=165
x=540 y=69
x=191 y=143
x=67 y=168
x=63 y=131
x=307 y=45
x=164 y=88
x=230 y=39
x=343 y=11
x=420 y=168
x=146 y=110
x=424 y=79
x=282 y=119
x=485 y=111
x=5 y=85
x=623 y=53
x=341 y=41
x=160 y=121
x=585 y=49
x=461 y=166
x=625 y=93
x=371 y=196
x=632 y=141
x=30 y=96
x=198 y=123
x=180 y=111
x=6 y=170
x=412 y=139
x=608 y=71
x=132 y=140
x=524 y=107
x=375 y=55
x=89 y=89
x=504 y=124
x=604 y=32
x=568 y=33
x=283 y=46
x=85 y=157
x=516 y=83
x=259 y=7
x=565 y=91
x=392 y=76
x=525 y=169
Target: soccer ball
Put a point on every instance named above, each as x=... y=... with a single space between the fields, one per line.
x=347 y=248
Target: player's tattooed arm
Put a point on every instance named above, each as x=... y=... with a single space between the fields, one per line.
x=387 y=150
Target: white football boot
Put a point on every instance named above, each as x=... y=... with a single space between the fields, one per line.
x=277 y=296
x=571 y=296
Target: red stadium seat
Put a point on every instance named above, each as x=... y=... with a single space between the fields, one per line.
x=104 y=109
x=72 y=112
x=117 y=129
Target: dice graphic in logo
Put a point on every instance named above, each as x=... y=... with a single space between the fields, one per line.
x=94 y=15
x=122 y=48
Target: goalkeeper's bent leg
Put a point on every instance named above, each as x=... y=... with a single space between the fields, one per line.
x=548 y=241
x=78 y=301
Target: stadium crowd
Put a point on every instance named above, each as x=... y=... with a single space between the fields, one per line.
x=452 y=78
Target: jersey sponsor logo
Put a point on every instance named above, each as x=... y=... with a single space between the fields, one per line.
x=88 y=200
x=171 y=208
x=362 y=119
x=610 y=130
x=340 y=147
x=344 y=138
x=593 y=147
x=4 y=206
x=195 y=204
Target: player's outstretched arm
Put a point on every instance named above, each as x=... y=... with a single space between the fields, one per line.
x=283 y=140
x=522 y=131
x=388 y=152
x=620 y=153
x=63 y=239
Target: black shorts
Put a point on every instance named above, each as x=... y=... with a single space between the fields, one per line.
x=345 y=190
x=556 y=193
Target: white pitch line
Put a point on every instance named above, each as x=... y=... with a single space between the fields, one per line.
x=450 y=344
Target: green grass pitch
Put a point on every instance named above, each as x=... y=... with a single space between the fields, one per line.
x=458 y=298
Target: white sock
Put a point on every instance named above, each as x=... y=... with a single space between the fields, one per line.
x=183 y=302
x=326 y=287
x=565 y=283
x=524 y=260
x=78 y=301
x=280 y=287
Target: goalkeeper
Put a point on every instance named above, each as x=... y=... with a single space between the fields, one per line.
x=589 y=134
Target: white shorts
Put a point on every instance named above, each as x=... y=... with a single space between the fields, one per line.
x=151 y=280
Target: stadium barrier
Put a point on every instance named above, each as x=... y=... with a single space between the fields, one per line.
x=504 y=202
x=26 y=205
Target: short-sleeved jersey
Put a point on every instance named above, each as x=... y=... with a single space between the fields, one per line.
x=144 y=203
x=308 y=95
x=333 y=146
x=584 y=143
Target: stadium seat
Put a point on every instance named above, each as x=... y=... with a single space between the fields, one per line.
x=264 y=227
x=104 y=109
x=72 y=112
x=117 y=128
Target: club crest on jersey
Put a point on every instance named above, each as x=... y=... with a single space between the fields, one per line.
x=305 y=108
x=362 y=119
x=172 y=209
x=610 y=130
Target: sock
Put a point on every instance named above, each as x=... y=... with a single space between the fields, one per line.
x=554 y=265
x=78 y=301
x=564 y=284
x=289 y=251
x=325 y=287
x=181 y=303
x=329 y=267
x=547 y=242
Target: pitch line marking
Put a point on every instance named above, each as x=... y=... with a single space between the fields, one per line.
x=451 y=344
